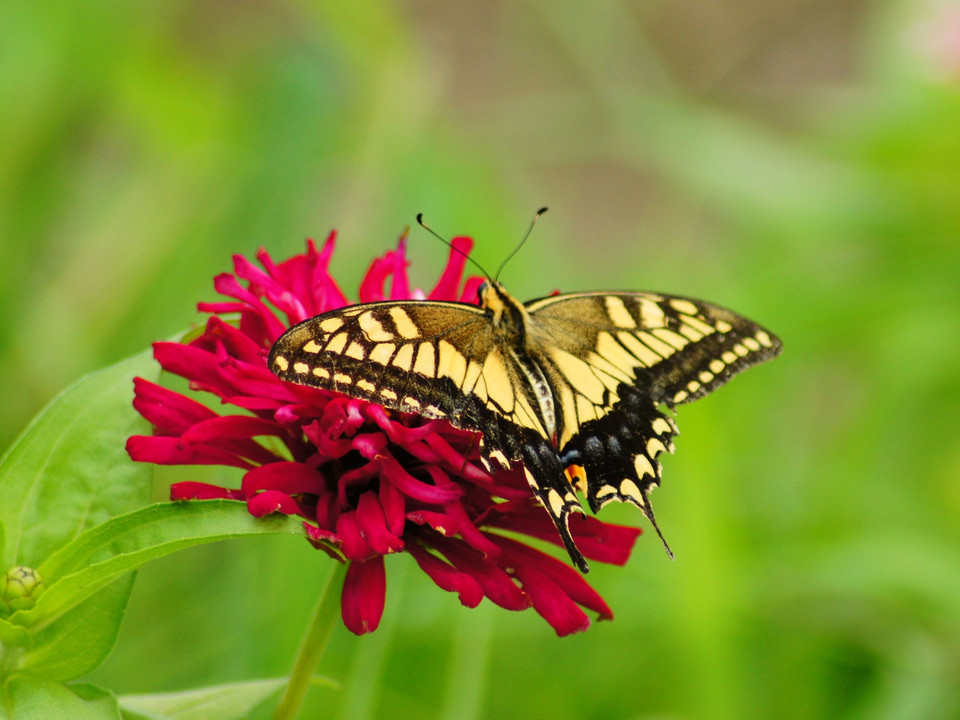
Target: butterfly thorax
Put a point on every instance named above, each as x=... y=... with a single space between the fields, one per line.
x=510 y=321
x=508 y=317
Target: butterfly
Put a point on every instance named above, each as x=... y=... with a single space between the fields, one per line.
x=579 y=388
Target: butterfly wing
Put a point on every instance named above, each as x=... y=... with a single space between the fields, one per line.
x=437 y=359
x=440 y=360
x=613 y=358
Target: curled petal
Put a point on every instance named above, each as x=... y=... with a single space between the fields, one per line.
x=169 y=412
x=373 y=526
x=292 y=478
x=271 y=501
x=447 y=577
x=549 y=600
x=496 y=583
x=416 y=489
x=352 y=543
x=364 y=593
x=569 y=582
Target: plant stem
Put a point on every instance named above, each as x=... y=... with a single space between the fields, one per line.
x=324 y=619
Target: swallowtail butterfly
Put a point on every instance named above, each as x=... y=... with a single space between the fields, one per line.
x=573 y=386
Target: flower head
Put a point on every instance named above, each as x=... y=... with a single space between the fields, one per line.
x=367 y=482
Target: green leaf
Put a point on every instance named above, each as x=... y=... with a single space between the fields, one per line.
x=33 y=699
x=72 y=458
x=127 y=542
x=233 y=701
x=14 y=635
x=80 y=641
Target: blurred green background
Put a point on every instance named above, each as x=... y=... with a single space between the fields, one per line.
x=797 y=161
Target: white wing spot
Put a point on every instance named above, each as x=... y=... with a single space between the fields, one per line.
x=426 y=360
x=659 y=347
x=645 y=355
x=660 y=426
x=628 y=488
x=301 y=368
x=337 y=343
x=698 y=324
x=643 y=466
x=311 y=347
x=355 y=351
x=341 y=378
x=683 y=306
x=655 y=447
x=382 y=352
x=281 y=362
x=405 y=326
x=651 y=314
x=404 y=358
x=373 y=329
x=690 y=333
x=618 y=313
x=321 y=373
x=668 y=336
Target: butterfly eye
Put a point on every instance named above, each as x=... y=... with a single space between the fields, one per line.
x=482 y=290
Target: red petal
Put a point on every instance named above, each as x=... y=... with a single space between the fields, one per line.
x=570 y=582
x=292 y=478
x=447 y=577
x=563 y=614
x=497 y=584
x=169 y=412
x=364 y=593
x=201 y=491
x=271 y=501
x=373 y=525
x=394 y=504
x=446 y=288
x=410 y=486
x=352 y=543
x=169 y=451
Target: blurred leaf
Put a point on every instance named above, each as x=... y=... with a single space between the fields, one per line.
x=232 y=701
x=32 y=699
x=72 y=457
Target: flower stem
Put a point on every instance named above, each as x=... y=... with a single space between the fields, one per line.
x=324 y=619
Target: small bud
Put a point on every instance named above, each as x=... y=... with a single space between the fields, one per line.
x=20 y=587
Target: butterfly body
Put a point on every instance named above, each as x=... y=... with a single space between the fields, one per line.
x=569 y=385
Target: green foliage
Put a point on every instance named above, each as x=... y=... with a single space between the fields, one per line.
x=802 y=169
x=68 y=460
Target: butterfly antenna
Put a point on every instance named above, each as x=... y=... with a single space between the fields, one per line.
x=449 y=244
x=533 y=222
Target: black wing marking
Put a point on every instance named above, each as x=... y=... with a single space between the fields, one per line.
x=613 y=358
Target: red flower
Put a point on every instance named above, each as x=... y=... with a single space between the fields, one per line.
x=368 y=482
